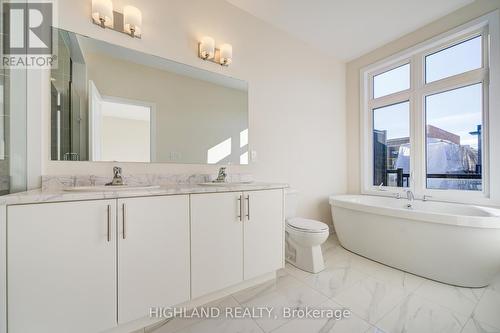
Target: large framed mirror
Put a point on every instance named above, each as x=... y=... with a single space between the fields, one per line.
x=110 y=103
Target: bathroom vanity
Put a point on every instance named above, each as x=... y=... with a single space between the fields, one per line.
x=92 y=261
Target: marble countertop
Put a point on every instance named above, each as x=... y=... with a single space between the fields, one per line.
x=60 y=195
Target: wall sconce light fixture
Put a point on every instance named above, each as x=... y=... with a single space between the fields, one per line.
x=132 y=20
x=102 y=13
x=129 y=22
x=226 y=54
x=208 y=51
x=207 y=48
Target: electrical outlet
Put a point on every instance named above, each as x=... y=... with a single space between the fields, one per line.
x=253 y=155
x=175 y=156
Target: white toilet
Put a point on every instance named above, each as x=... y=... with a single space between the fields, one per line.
x=303 y=237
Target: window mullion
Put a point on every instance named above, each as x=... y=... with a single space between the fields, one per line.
x=457 y=81
x=417 y=139
x=390 y=100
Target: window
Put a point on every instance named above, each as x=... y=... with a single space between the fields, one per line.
x=453 y=133
x=460 y=58
x=391 y=145
x=426 y=120
x=392 y=81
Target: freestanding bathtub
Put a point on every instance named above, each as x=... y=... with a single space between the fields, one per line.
x=451 y=243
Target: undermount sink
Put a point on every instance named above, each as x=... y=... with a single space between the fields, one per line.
x=225 y=184
x=114 y=188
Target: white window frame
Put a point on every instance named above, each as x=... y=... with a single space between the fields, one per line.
x=489 y=75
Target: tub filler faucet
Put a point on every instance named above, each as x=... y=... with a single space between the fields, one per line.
x=410 y=197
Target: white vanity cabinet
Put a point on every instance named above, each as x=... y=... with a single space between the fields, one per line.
x=216 y=241
x=153 y=254
x=92 y=265
x=263 y=232
x=235 y=237
x=87 y=266
x=61 y=270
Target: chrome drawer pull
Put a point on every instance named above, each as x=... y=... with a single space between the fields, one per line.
x=124 y=217
x=109 y=223
x=240 y=203
x=248 y=207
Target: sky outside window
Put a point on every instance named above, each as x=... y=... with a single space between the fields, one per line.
x=392 y=81
x=458 y=112
x=454 y=60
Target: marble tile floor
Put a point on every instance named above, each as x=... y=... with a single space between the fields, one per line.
x=381 y=300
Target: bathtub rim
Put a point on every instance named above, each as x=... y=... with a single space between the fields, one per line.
x=481 y=222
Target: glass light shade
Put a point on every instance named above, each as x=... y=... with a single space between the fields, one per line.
x=132 y=20
x=226 y=54
x=207 y=47
x=103 y=9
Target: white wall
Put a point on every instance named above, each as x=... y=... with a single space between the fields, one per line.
x=125 y=139
x=296 y=95
x=457 y=18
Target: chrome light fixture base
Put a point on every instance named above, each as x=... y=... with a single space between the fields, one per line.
x=215 y=59
x=117 y=25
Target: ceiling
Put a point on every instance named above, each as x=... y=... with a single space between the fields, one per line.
x=347 y=29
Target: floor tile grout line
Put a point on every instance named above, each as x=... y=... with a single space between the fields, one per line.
x=242 y=305
x=445 y=306
x=378 y=266
x=383 y=316
x=432 y=302
x=472 y=317
x=360 y=317
x=302 y=284
x=350 y=287
x=394 y=307
x=395 y=270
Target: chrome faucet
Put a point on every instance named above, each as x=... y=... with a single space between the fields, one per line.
x=221 y=177
x=410 y=197
x=117 y=178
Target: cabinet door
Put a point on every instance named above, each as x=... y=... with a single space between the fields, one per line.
x=263 y=232
x=153 y=254
x=61 y=267
x=217 y=242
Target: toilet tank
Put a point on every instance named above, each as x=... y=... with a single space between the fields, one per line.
x=291 y=203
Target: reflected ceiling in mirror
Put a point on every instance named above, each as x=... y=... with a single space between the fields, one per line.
x=110 y=103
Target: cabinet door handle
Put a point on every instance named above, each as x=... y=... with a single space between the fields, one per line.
x=109 y=223
x=124 y=217
x=248 y=207
x=240 y=203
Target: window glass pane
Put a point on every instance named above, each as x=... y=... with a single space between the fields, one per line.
x=454 y=141
x=397 y=79
x=391 y=145
x=454 y=60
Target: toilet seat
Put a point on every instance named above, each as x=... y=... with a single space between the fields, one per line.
x=307 y=225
